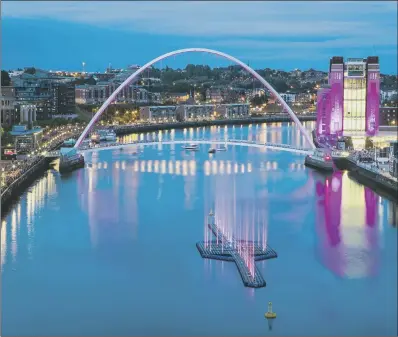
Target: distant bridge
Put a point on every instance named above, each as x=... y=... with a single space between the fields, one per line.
x=227 y=142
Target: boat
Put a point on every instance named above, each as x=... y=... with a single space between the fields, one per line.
x=212 y=150
x=340 y=159
x=191 y=147
x=69 y=142
x=70 y=160
x=321 y=159
x=221 y=148
x=102 y=134
x=110 y=136
x=95 y=138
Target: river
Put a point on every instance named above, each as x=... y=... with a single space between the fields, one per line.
x=110 y=249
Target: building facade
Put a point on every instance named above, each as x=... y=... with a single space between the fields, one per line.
x=324 y=105
x=26 y=140
x=9 y=114
x=167 y=113
x=27 y=113
x=63 y=99
x=100 y=92
x=388 y=116
x=354 y=96
x=288 y=97
x=48 y=92
x=189 y=112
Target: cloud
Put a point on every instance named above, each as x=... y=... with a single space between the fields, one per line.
x=212 y=18
x=263 y=30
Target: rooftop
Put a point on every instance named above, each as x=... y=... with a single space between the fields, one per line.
x=22 y=130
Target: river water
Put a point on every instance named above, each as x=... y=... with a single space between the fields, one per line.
x=110 y=249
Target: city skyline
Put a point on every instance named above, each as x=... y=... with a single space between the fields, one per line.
x=262 y=37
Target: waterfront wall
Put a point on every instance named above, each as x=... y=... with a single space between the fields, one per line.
x=13 y=191
x=18 y=186
x=378 y=182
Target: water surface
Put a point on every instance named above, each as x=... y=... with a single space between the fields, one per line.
x=110 y=249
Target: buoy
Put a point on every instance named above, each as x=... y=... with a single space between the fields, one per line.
x=270 y=313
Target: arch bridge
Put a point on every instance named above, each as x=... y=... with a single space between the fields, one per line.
x=135 y=75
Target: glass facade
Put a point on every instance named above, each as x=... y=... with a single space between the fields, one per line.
x=354 y=104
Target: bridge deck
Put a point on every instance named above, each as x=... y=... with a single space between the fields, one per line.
x=228 y=142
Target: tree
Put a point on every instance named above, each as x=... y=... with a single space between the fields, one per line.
x=30 y=70
x=81 y=81
x=259 y=100
x=5 y=78
x=368 y=143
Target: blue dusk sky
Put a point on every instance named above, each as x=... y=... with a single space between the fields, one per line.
x=282 y=35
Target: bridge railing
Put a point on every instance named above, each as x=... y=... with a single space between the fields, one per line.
x=222 y=140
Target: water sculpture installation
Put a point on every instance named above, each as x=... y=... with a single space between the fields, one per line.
x=243 y=252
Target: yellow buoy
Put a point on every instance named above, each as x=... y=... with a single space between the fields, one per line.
x=270 y=313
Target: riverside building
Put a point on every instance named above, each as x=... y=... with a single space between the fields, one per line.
x=349 y=105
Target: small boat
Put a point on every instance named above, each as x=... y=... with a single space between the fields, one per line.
x=212 y=150
x=221 y=148
x=110 y=136
x=69 y=142
x=321 y=159
x=191 y=147
x=95 y=138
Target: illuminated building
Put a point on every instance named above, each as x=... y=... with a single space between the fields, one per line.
x=350 y=104
x=26 y=140
x=389 y=116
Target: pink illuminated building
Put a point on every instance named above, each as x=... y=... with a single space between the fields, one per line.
x=323 y=108
x=354 y=94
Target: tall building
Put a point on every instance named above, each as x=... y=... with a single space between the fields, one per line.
x=63 y=99
x=354 y=96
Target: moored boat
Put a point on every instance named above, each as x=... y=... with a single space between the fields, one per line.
x=321 y=159
x=69 y=142
x=110 y=136
x=70 y=160
x=191 y=147
x=95 y=138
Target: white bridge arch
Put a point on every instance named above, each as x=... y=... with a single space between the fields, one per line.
x=113 y=96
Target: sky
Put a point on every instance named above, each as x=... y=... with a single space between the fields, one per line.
x=57 y=35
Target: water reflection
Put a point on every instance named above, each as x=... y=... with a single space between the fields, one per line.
x=240 y=214
x=348 y=226
x=108 y=216
x=39 y=196
x=191 y=167
x=273 y=132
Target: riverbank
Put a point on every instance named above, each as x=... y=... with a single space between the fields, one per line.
x=369 y=176
x=126 y=129
x=36 y=167
x=375 y=179
x=18 y=186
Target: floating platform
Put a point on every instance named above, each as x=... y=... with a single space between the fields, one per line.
x=225 y=249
